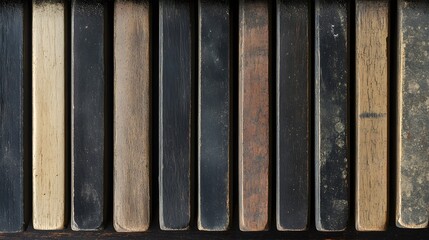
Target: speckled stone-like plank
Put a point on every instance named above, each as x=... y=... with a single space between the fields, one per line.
x=331 y=115
x=13 y=99
x=412 y=201
x=253 y=117
x=372 y=29
x=214 y=121
x=88 y=94
x=293 y=114
x=48 y=114
x=175 y=84
x=132 y=116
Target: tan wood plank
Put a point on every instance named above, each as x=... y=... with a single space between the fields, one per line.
x=253 y=115
x=132 y=139
x=48 y=92
x=372 y=84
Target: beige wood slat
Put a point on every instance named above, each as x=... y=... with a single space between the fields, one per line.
x=48 y=110
x=132 y=111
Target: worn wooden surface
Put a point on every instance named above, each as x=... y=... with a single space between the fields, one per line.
x=293 y=114
x=175 y=54
x=372 y=85
x=132 y=112
x=88 y=83
x=214 y=118
x=412 y=181
x=48 y=110
x=13 y=96
x=253 y=117
x=331 y=115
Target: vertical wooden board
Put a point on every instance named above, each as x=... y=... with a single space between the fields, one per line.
x=174 y=114
x=412 y=199
x=293 y=114
x=372 y=29
x=331 y=115
x=88 y=85
x=253 y=145
x=132 y=130
x=12 y=116
x=48 y=110
x=214 y=145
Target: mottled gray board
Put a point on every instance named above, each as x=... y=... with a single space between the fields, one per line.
x=413 y=115
x=88 y=114
x=331 y=115
x=12 y=99
x=214 y=145
x=293 y=114
x=174 y=114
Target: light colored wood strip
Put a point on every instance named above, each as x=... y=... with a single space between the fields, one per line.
x=412 y=199
x=372 y=29
x=48 y=115
x=131 y=116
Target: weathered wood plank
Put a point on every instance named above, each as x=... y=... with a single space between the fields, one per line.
x=214 y=143
x=88 y=114
x=48 y=110
x=293 y=114
x=412 y=199
x=12 y=100
x=132 y=112
x=372 y=29
x=174 y=114
x=331 y=115
x=253 y=143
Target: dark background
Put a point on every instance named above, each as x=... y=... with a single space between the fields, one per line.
x=234 y=233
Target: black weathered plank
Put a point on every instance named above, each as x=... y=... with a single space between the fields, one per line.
x=174 y=114
x=293 y=114
x=214 y=116
x=412 y=200
x=331 y=118
x=12 y=116
x=88 y=113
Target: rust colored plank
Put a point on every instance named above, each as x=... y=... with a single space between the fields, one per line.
x=253 y=115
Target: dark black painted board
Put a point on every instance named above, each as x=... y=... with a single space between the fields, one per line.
x=12 y=116
x=293 y=114
x=331 y=117
x=88 y=113
x=214 y=145
x=174 y=114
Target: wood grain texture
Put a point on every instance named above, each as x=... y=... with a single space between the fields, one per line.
x=214 y=118
x=12 y=134
x=372 y=29
x=48 y=110
x=293 y=115
x=412 y=198
x=132 y=112
x=175 y=114
x=88 y=92
x=331 y=115
x=253 y=117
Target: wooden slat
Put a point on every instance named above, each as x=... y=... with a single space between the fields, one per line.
x=174 y=114
x=48 y=90
x=412 y=199
x=372 y=29
x=214 y=145
x=132 y=111
x=88 y=85
x=12 y=135
x=253 y=145
x=331 y=115
x=293 y=114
